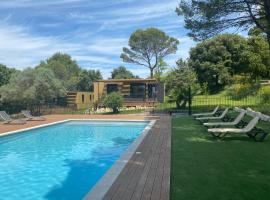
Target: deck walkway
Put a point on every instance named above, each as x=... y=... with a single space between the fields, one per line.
x=147 y=174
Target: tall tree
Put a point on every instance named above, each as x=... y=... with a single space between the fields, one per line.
x=148 y=47
x=5 y=74
x=122 y=73
x=179 y=81
x=206 y=18
x=87 y=79
x=216 y=60
x=64 y=68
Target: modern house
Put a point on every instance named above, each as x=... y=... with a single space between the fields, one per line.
x=136 y=92
x=80 y=100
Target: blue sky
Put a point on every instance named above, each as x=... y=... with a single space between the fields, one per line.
x=93 y=32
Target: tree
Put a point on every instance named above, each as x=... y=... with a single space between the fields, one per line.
x=162 y=66
x=64 y=68
x=179 y=81
x=256 y=58
x=32 y=86
x=216 y=60
x=87 y=78
x=206 y=18
x=114 y=101
x=5 y=74
x=122 y=73
x=148 y=47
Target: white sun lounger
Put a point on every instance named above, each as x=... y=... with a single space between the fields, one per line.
x=206 y=114
x=8 y=120
x=236 y=121
x=224 y=113
x=250 y=129
x=30 y=117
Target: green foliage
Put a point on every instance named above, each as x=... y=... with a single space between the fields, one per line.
x=218 y=59
x=161 y=68
x=179 y=81
x=114 y=101
x=5 y=74
x=122 y=73
x=148 y=47
x=87 y=78
x=242 y=90
x=266 y=95
x=256 y=57
x=215 y=60
x=207 y=18
x=64 y=68
x=32 y=86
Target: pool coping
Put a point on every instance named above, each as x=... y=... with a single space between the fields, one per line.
x=67 y=120
x=106 y=181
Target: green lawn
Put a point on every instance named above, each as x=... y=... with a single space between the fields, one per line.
x=204 y=168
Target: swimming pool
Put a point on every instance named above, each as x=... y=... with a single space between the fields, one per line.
x=62 y=161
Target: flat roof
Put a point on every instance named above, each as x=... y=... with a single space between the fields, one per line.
x=126 y=80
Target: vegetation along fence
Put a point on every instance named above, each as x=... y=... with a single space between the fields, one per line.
x=207 y=102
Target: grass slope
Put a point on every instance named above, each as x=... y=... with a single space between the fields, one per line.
x=204 y=168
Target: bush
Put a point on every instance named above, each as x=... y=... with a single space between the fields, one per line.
x=242 y=90
x=266 y=95
x=114 y=101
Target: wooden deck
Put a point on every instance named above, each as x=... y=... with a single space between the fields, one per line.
x=147 y=174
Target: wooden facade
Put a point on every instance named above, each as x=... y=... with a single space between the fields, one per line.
x=80 y=100
x=148 y=92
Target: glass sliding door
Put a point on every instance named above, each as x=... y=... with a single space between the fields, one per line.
x=137 y=90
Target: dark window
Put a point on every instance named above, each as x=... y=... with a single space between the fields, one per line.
x=112 y=88
x=83 y=98
x=90 y=97
x=152 y=91
x=137 y=90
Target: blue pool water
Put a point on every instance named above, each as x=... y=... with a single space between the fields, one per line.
x=62 y=161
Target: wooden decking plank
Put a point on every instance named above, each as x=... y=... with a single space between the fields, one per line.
x=128 y=169
x=165 y=189
x=121 y=193
x=152 y=173
x=146 y=175
x=136 y=176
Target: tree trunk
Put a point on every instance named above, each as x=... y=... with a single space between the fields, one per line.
x=267 y=16
x=151 y=72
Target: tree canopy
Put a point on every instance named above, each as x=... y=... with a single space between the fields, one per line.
x=148 y=47
x=70 y=73
x=217 y=59
x=207 y=18
x=32 y=86
x=87 y=78
x=5 y=74
x=122 y=73
x=64 y=68
x=178 y=82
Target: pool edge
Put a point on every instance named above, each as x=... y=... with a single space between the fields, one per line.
x=63 y=121
x=104 y=184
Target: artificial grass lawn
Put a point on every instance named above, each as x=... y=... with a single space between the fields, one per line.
x=205 y=168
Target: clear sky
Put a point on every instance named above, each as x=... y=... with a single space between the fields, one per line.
x=93 y=32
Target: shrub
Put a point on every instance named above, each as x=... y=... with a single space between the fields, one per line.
x=114 y=101
x=266 y=95
x=242 y=90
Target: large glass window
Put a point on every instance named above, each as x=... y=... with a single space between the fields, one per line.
x=137 y=90
x=82 y=98
x=152 y=91
x=112 y=88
